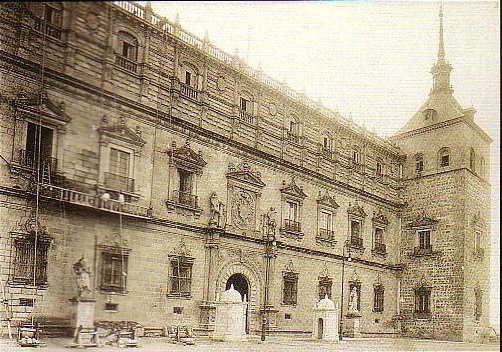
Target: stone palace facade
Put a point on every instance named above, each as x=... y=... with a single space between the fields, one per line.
x=176 y=170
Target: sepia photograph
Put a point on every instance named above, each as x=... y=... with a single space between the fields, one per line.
x=250 y=176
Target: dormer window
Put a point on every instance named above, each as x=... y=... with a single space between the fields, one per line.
x=127 y=51
x=430 y=114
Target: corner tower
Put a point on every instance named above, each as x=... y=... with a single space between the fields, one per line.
x=445 y=235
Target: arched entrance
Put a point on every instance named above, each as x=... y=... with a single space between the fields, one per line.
x=241 y=285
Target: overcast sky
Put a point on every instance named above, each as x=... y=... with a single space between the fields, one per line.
x=371 y=60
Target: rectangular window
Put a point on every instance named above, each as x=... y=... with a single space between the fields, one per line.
x=114 y=272
x=293 y=127
x=292 y=212
x=188 y=78
x=378 y=298
x=30 y=261
x=181 y=276
x=422 y=301
x=477 y=240
x=326 y=221
x=478 y=303
x=356 y=157
x=326 y=143
x=445 y=160
x=290 y=291
x=38 y=138
x=244 y=104
x=325 y=285
x=53 y=16
x=420 y=166
x=355 y=229
x=119 y=162
x=378 y=235
x=424 y=239
x=379 y=169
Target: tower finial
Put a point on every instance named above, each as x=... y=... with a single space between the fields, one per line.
x=441 y=53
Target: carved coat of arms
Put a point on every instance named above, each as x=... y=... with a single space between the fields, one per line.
x=243 y=209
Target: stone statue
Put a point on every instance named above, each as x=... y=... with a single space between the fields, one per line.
x=353 y=300
x=216 y=211
x=270 y=221
x=83 y=272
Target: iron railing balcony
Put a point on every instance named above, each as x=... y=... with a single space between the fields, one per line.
x=380 y=248
x=189 y=92
x=293 y=137
x=356 y=242
x=185 y=198
x=93 y=201
x=126 y=63
x=246 y=117
x=326 y=234
x=291 y=225
x=29 y=159
x=119 y=182
x=47 y=28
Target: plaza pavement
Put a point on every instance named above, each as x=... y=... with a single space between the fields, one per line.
x=272 y=344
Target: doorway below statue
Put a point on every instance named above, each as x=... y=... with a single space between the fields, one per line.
x=241 y=285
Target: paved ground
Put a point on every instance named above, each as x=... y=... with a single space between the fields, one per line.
x=287 y=344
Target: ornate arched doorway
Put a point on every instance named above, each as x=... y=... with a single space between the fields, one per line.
x=246 y=281
x=240 y=284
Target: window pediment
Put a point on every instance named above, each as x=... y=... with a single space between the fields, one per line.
x=327 y=200
x=356 y=210
x=293 y=190
x=244 y=174
x=380 y=218
x=423 y=220
x=121 y=132
x=185 y=157
x=35 y=104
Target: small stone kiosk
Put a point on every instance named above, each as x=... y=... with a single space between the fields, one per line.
x=84 y=304
x=325 y=320
x=230 y=319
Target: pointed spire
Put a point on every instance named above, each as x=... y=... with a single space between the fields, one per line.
x=441 y=53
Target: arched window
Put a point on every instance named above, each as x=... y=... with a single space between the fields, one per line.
x=419 y=162
x=444 y=157
x=127 y=51
x=472 y=160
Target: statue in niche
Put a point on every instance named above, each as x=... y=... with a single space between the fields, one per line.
x=270 y=222
x=83 y=273
x=353 y=300
x=216 y=211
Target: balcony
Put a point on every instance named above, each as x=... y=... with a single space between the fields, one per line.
x=379 y=248
x=246 y=117
x=189 y=92
x=291 y=225
x=92 y=201
x=328 y=235
x=119 y=183
x=47 y=28
x=126 y=63
x=185 y=198
x=328 y=153
x=293 y=137
x=356 y=242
